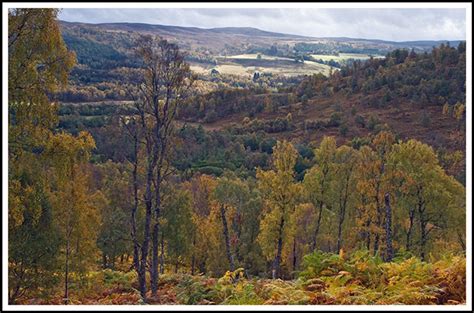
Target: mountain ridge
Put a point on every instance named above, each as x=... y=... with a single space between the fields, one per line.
x=253 y=31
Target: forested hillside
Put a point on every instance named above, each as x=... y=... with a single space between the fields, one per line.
x=134 y=180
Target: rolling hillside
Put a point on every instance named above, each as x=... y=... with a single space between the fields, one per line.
x=404 y=93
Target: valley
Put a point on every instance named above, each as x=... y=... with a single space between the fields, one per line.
x=167 y=165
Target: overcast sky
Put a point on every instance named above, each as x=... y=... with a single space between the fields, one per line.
x=387 y=24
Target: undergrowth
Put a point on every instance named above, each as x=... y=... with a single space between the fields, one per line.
x=325 y=278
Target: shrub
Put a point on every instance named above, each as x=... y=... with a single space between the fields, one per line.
x=360 y=121
x=365 y=279
x=343 y=129
x=309 y=124
x=195 y=290
x=358 y=142
x=321 y=263
x=242 y=293
x=365 y=268
x=211 y=170
x=334 y=120
x=373 y=121
x=118 y=279
x=210 y=117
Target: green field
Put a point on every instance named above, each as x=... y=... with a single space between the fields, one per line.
x=247 y=64
x=345 y=56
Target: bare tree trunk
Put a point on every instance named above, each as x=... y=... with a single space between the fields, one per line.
x=339 y=230
x=388 y=228
x=230 y=258
x=342 y=209
x=104 y=260
x=423 y=224
x=66 y=278
x=423 y=234
x=133 y=218
x=410 y=229
x=155 y=242
x=367 y=233
x=318 y=224
x=294 y=255
x=276 y=263
x=462 y=243
x=166 y=80
x=154 y=265
x=146 y=231
x=379 y=224
x=193 y=258
x=162 y=256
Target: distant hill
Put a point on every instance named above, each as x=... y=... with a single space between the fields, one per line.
x=243 y=39
x=250 y=31
x=156 y=28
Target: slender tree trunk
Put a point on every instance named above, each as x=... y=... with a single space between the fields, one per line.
x=320 y=213
x=423 y=223
x=461 y=241
x=276 y=263
x=155 y=259
x=294 y=255
x=202 y=266
x=176 y=267
x=162 y=256
x=318 y=224
x=68 y=239
x=379 y=224
x=104 y=260
x=339 y=231
x=367 y=233
x=146 y=231
x=230 y=258
x=342 y=210
x=133 y=219
x=388 y=228
x=162 y=64
x=423 y=234
x=193 y=258
x=66 y=278
x=155 y=242
x=144 y=255
x=411 y=216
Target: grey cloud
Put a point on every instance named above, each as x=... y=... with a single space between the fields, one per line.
x=388 y=24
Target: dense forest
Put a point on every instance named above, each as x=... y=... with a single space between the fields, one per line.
x=192 y=189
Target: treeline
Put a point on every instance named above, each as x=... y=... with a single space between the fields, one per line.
x=216 y=105
x=98 y=49
x=424 y=79
x=391 y=198
x=420 y=79
x=95 y=54
x=98 y=85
